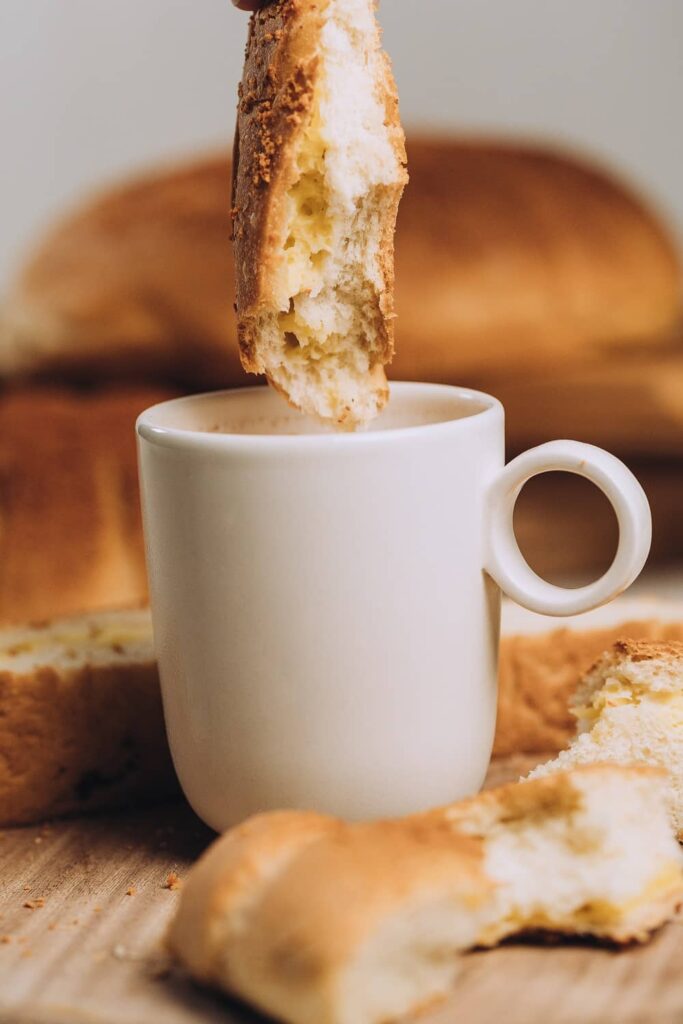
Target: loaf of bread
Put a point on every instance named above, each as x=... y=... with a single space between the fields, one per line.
x=319 y=171
x=645 y=384
x=315 y=921
x=70 y=531
x=81 y=724
x=510 y=261
x=628 y=709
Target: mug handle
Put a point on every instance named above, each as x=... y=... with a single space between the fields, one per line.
x=506 y=563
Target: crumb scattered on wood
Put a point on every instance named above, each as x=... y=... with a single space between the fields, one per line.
x=173 y=881
x=6 y=939
x=34 y=904
x=131 y=890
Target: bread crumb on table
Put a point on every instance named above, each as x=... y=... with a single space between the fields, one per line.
x=173 y=881
x=35 y=904
x=131 y=890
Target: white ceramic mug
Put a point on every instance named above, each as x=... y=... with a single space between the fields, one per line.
x=326 y=606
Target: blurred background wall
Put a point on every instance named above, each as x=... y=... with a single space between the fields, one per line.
x=92 y=88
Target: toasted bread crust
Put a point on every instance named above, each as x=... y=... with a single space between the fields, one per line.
x=648 y=650
x=281 y=910
x=276 y=96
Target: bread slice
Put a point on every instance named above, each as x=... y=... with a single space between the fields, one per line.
x=629 y=709
x=81 y=724
x=319 y=171
x=541 y=666
x=315 y=921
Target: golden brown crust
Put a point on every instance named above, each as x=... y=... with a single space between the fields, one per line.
x=646 y=650
x=136 y=284
x=284 y=909
x=231 y=874
x=387 y=242
x=275 y=96
x=534 y=259
x=72 y=741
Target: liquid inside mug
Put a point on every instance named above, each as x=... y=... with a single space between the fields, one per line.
x=326 y=606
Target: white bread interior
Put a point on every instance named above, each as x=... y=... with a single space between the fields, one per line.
x=318 y=922
x=322 y=343
x=629 y=709
x=112 y=639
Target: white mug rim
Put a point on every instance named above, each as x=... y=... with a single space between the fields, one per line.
x=185 y=438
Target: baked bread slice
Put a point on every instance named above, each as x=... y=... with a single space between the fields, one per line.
x=319 y=171
x=629 y=710
x=542 y=666
x=315 y=921
x=81 y=724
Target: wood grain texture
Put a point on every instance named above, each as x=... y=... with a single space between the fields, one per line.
x=91 y=954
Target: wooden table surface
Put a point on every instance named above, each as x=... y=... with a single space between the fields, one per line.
x=84 y=905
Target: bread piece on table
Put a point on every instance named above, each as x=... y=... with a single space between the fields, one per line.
x=629 y=710
x=70 y=531
x=320 y=167
x=315 y=921
x=81 y=725
x=541 y=667
x=511 y=261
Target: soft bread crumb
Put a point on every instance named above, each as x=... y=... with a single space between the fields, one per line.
x=629 y=709
x=324 y=333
